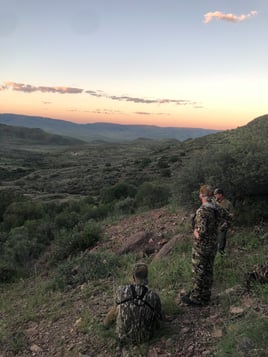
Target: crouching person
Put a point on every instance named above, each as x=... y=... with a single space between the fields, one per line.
x=138 y=310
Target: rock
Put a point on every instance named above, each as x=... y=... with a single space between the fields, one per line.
x=168 y=247
x=134 y=242
x=78 y=322
x=36 y=349
x=217 y=333
x=236 y=310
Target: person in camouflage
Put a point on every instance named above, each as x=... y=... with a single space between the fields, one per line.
x=138 y=312
x=226 y=204
x=207 y=220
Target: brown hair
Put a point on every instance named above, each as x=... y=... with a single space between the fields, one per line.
x=206 y=191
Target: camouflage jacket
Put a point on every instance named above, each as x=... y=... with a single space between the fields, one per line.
x=138 y=313
x=208 y=219
x=226 y=204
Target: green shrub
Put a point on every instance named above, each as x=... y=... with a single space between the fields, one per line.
x=70 y=243
x=92 y=266
x=126 y=206
x=6 y=198
x=8 y=272
x=152 y=195
x=117 y=192
x=165 y=172
x=19 y=212
x=144 y=162
x=19 y=247
x=98 y=212
x=163 y=163
x=67 y=219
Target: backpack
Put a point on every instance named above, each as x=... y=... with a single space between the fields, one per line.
x=136 y=319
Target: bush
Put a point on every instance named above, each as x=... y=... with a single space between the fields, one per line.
x=67 y=219
x=126 y=206
x=152 y=195
x=6 y=198
x=77 y=240
x=79 y=270
x=8 y=273
x=117 y=192
x=18 y=248
x=98 y=212
x=19 y=212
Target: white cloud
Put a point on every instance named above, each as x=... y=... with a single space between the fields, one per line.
x=218 y=15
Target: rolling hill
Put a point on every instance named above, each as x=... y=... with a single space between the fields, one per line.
x=103 y=131
x=13 y=135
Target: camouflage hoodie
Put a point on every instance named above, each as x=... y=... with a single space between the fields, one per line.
x=138 y=313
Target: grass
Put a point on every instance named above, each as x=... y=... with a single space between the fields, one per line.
x=245 y=338
x=82 y=306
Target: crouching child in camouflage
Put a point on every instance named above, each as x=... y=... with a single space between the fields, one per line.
x=138 y=310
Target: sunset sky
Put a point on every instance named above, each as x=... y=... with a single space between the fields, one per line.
x=181 y=63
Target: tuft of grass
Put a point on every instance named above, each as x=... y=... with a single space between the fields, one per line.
x=245 y=338
x=12 y=342
x=173 y=272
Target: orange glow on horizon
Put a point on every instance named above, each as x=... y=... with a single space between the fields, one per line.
x=77 y=110
x=85 y=118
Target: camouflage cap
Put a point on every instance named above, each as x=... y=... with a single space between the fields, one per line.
x=218 y=191
x=140 y=272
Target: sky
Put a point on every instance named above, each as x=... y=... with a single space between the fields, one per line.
x=170 y=63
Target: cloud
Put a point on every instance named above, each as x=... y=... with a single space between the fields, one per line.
x=142 y=113
x=103 y=111
x=209 y=16
x=147 y=113
x=28 y=88
x=94 y=93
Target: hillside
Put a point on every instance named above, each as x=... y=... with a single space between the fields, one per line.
x=103 y=131
x=86 y=170
x=46 y=321
x=14 y=135
x=74 y=220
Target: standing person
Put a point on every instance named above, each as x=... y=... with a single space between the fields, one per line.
x=226 y=204
x=138 y=311
x=206 y=221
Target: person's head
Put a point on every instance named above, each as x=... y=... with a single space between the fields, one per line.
x=140 y=274
x=206 y=193
x=218 y=193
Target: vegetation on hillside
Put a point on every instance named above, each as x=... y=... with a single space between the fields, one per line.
x=105 y=132
x=55 y=205
x=27 y=136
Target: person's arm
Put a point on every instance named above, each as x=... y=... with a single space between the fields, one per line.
x=200 y=224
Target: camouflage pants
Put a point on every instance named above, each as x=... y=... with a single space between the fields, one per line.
x=222 y=235
x=202 y=269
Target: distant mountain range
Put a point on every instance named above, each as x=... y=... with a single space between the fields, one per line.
x=103 y=131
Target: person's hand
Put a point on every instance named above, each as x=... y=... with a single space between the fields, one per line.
x=196 y=234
